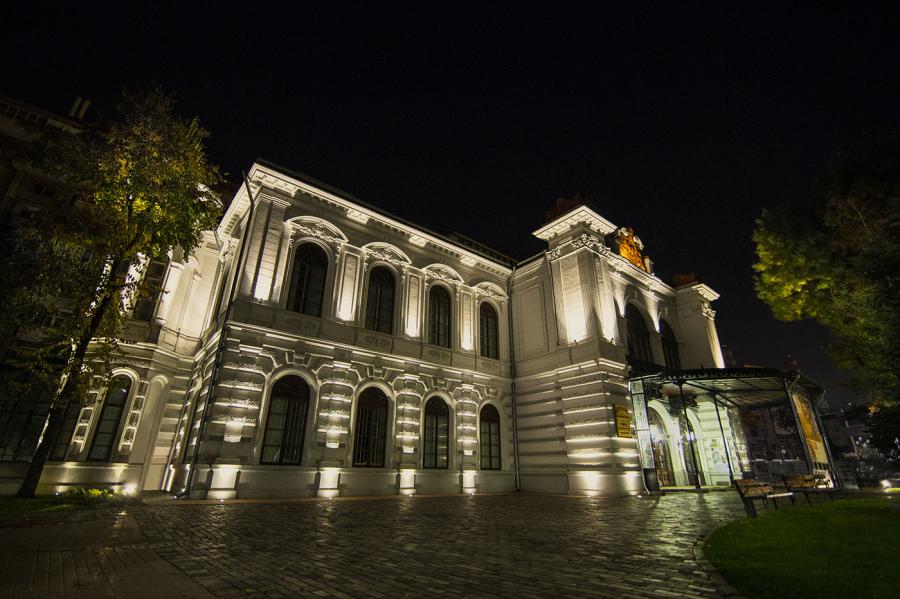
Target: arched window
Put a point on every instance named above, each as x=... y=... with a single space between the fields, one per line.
x=371 y=429
x=490 y=438
x=380 y=301
x=439 y=316
x=437 y=434
x=64 y=438
x=669 y=345
x=151 y=289
x=308 y=280
x=110 y=419
x=489 y=338
x=638 y=336
x=286 y=422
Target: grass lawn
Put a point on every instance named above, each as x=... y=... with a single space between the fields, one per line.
x=848 y=548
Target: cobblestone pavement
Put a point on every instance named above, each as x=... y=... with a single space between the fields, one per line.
x=492 y=545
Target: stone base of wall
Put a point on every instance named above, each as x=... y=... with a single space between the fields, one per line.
x=588 y=482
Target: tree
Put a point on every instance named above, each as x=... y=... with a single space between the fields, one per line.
x=835 y=258
x=136 y=187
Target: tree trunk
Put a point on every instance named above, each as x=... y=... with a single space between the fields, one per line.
x=58 y=408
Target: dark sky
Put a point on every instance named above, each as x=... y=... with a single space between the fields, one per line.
x=683 y=122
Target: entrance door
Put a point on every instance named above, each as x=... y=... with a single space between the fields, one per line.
x=692 y=460
x=661 y=459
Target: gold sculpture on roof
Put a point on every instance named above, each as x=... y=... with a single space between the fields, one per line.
x=631 y=248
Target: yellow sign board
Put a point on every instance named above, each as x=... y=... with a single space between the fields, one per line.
x=623 y=422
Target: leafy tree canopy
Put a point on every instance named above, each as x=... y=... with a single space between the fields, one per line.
x=835 y=258
x=133 y=188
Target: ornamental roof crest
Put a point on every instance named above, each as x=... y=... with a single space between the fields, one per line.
x=631 y=248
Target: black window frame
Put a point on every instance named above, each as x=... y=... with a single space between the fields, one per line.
x=440 y=317
x=490 y=439
x=293 y=396
x=151 y=289
x=436 y=435
x=380 y=297
x=370 y=430
x=671 y=356
x=638 y=335
x=104 y=417
x=488 y=331
x=309 y=275
x=64 y=438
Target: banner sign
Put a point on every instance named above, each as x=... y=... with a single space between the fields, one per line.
x=641 y=426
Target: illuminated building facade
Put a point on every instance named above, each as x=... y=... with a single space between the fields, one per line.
x=365 y=355
x=362 y=354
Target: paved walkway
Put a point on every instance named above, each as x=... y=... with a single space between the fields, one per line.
x=493 y=545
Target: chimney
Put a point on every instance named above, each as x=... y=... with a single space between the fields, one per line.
x=74 y=108
x=83 y=109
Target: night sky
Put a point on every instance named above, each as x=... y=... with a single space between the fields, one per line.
x=683 y=122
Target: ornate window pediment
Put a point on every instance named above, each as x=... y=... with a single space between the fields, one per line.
x=386 y=252
x=442 y=272
x=311 y=226
x=491 y=290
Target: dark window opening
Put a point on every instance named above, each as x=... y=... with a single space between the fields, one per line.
x=490 y=438
x=308 y=280
x=489 y=337
x=286 y=422
x=638 y=336
x=439 y=316
x=371 y=429
x=436 y=452
x=380 y=301
x=669 y=345
x=150 y=290
x=107 y=427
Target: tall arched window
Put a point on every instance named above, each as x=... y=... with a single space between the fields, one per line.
x=638 y=336
x=436 y=452
x=490 y=336
x=151 y=289
x=64 y=438
x=110 y=419
x=380 y=301
x=669 y=345
x=286 y=422
x=490 y=438
x=308 y=280
x=371 y=429
x=439 y=316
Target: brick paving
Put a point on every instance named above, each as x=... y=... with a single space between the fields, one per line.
x=455 y=546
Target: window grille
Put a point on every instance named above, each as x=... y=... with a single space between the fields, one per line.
x=286 y=422
x=371 y=429
x=107 y=427
x=436 y=452
x=380 y=301
x=490 y=438
x=439 y=316
x=489 y=337
x=308 y=280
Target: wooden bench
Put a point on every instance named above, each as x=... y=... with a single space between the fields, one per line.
x=752 y=490
x=811 y=484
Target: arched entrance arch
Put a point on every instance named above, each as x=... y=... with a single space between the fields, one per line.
x=662 y=456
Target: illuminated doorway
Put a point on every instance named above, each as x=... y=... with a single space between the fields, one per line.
x=662 y=459
x=692 y=461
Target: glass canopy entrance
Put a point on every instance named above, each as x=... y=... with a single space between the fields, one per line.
x=708 y=427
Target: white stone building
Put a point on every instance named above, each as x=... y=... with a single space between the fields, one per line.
x=366 y=355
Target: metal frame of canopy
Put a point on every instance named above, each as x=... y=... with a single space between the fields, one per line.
x=744 y=388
